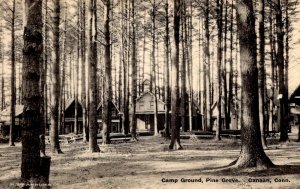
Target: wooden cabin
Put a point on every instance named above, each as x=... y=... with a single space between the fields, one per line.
x=197 y=117
x=215 y=112
x=145 y=112
x=5 y=121
x=294 y=105
x=116 y=118
x=69 y=115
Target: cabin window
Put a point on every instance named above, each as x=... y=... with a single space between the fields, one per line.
x=141 y=105
x=151 y=104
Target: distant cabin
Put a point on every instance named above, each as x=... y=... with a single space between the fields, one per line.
x=196 y=116
x=69 y=115
x=146 y=85
x=5 y=121
x=116 y=118
x=145 y=112
x=215 y=113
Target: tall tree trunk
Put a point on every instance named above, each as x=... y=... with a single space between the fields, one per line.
x=107 y=91
x=153 y=54
x=62 y=85
x=230 y=92
x=252 y=153
x=32 y=54
x=286 y=66
x=13 y=78
x=125 y=120
x=55 y=87
x=92 y=59
x=167 y=73
x=261 y=72
x=219 y=65
x=83 y=75
x=237 y=95
x=283 y=121
x=43 y=84
x=175 y=100
x=76 y=74
x=226 y=100
x=2 y=69
x=133 y=122
x=190 y=66
x=144 y=54
x=200 y=71
x=207 y=83
x=184 y=96
x=46 y=86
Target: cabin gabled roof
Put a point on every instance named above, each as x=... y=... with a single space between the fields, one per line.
x=18 y=110
x=5 y=114
x=114 y=105
x=70 y=101
x=295 y=93
x=148 y=92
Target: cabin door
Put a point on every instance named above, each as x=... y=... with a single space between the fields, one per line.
x=147 y=122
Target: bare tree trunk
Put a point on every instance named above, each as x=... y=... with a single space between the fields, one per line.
x=13 y=78
x=252 y=153
x=167 y=74
x=92 y=59
x=283 y=120
x=261 y=72
x=153 y=17
x=76 y=74
x=190 y=66
x=32 y=54
x=125 y=119
x=107 y=91
x=175 y=101
x=286 y=66
x=226 y=100
x=230 y=92
x=55 y=87
x=83 y=75
x=184 y=95
x=46 y=68
x=219 y=65
x=200 y=71
x=133 y=121
x=2 y=69
x=43 y=85
x=63 y=87
x=207 y=83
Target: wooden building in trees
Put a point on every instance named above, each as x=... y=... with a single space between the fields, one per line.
x=145 y=112
x=69 y=115
x=294 y=104
x=116 y=118
x=5 y=121
x=215 y=112
x=197 y=117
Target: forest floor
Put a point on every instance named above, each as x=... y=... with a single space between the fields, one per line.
x=149 y=164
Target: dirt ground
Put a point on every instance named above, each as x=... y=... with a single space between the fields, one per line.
x=148 y=164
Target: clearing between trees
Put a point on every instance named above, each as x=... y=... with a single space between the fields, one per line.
x=149 y=163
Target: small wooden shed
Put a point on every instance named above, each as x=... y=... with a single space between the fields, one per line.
x=116 y=117
x=294 y=105
x=69 y=115
x=5 y=121
x=145 y=112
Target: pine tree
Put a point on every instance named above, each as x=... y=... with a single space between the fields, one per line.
x=175 y=101
x=92 y=64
